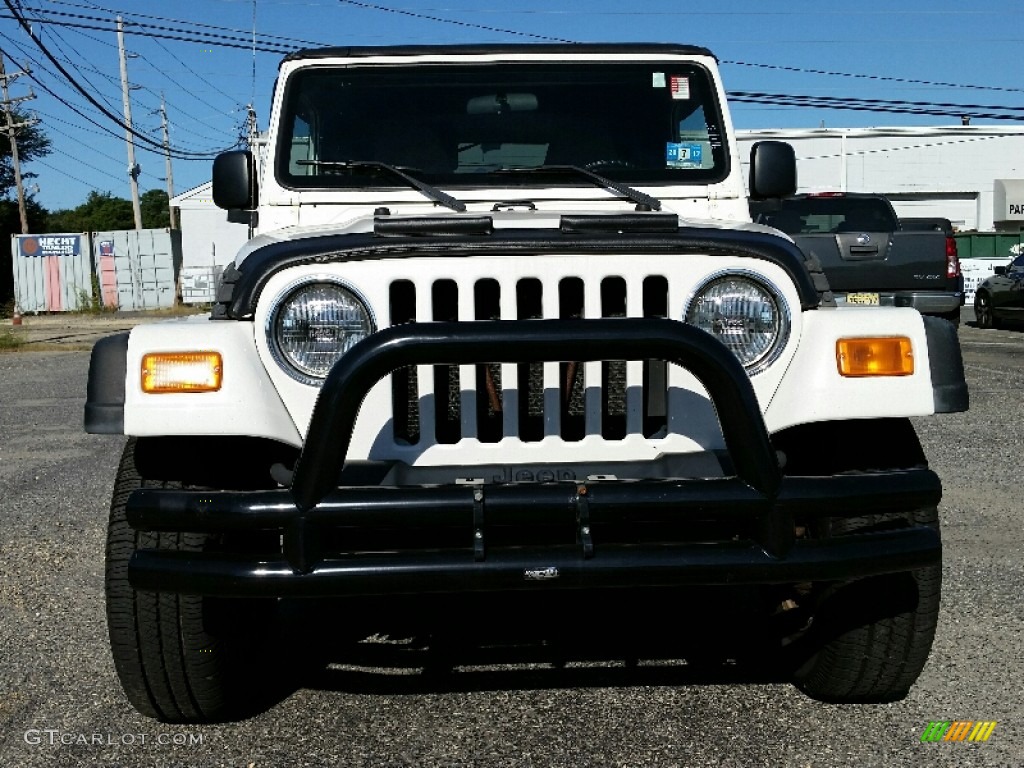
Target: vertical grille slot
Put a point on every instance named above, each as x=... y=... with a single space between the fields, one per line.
x=571 y=396
x=655 y=371
x=447 y=395
x=530 y=377
x=405 y=400
x=489 y=400
x=613 y=372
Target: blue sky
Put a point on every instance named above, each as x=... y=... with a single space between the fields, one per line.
x=933 y=51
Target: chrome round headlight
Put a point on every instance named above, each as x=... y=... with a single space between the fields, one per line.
x=746 y=314
x=313 y=325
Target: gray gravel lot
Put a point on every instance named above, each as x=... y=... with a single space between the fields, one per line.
x=61 y=705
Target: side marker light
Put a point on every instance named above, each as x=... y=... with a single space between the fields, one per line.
x=166 y=372
x=879 y=356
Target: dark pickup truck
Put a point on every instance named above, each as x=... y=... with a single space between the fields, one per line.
x=867 y=256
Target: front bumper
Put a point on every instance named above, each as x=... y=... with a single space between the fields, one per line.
x=316 y=538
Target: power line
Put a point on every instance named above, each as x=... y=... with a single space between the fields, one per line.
x=79 y=112
x=193 y=72
x=64 y=172
x=221 y=40
x=243 y=32
x=77 y=86
x=386 y=9
x=455 y=22
x=78 y=69
x=938 y=109
x=238 y=36
x=688 y=13
x=881 y=78
x=151 y=109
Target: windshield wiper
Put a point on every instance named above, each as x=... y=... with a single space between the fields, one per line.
x=628 y=192
x=427 y=190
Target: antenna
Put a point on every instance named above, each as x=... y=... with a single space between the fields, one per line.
x=253 y=99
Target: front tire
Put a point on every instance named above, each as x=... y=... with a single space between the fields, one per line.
x=867 y=639
x=983 y=312
x=180 y=658
x=871 y=637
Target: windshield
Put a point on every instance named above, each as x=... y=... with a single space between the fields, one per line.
x=462 y=125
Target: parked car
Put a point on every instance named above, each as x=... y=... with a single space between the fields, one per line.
x=1001 y=297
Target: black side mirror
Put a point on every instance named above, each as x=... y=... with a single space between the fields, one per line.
x=1000 y=270
x=234 y=180
x=772 y=170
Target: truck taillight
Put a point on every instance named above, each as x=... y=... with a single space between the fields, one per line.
x=952 y=258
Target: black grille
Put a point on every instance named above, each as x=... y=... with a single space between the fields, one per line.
x=485 y=395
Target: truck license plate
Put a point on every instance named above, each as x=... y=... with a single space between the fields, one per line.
x=864 y=299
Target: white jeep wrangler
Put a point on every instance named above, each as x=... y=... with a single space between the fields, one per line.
x=506 y=326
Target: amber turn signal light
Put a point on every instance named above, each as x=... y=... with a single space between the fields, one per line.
x=164 y=372
x=881 y=356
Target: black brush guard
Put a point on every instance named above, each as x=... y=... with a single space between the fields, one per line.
x=388 y=522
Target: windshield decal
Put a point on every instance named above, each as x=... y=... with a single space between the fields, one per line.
x=679 y=155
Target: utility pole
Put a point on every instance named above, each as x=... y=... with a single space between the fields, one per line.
x=12 y=137
x=167 y=158
x=133 y=168
x=252 y=128
x=253 y=135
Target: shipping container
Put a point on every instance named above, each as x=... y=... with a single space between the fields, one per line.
x=989 y=245
x=52 y=273
x=138 y=268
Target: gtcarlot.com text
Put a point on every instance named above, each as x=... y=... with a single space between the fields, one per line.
x=57 y=737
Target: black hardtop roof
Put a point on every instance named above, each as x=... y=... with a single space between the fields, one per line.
x=366 y=51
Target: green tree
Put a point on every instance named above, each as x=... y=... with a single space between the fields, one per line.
x=101 y=211
x=32 y=144
x=156 y=213
x=10 y=224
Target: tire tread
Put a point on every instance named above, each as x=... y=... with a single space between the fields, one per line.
x=170 y=666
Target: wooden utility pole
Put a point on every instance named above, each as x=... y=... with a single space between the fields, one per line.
x=133 y=167
x=167 y=158
x=12 y=137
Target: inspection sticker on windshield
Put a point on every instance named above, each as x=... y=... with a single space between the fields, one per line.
x=680 y=87
x=678 y=155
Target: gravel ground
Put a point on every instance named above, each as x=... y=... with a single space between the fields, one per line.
x=61 y=704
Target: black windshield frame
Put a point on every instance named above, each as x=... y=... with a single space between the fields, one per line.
x=457 y=125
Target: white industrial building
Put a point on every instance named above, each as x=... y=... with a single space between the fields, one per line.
x=209 y=242
x=208 y=238
x=971 y=175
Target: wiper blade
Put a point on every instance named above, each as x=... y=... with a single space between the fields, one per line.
x=427 y=190
x=626 y=191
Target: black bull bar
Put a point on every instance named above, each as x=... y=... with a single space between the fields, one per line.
x=759 y=496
